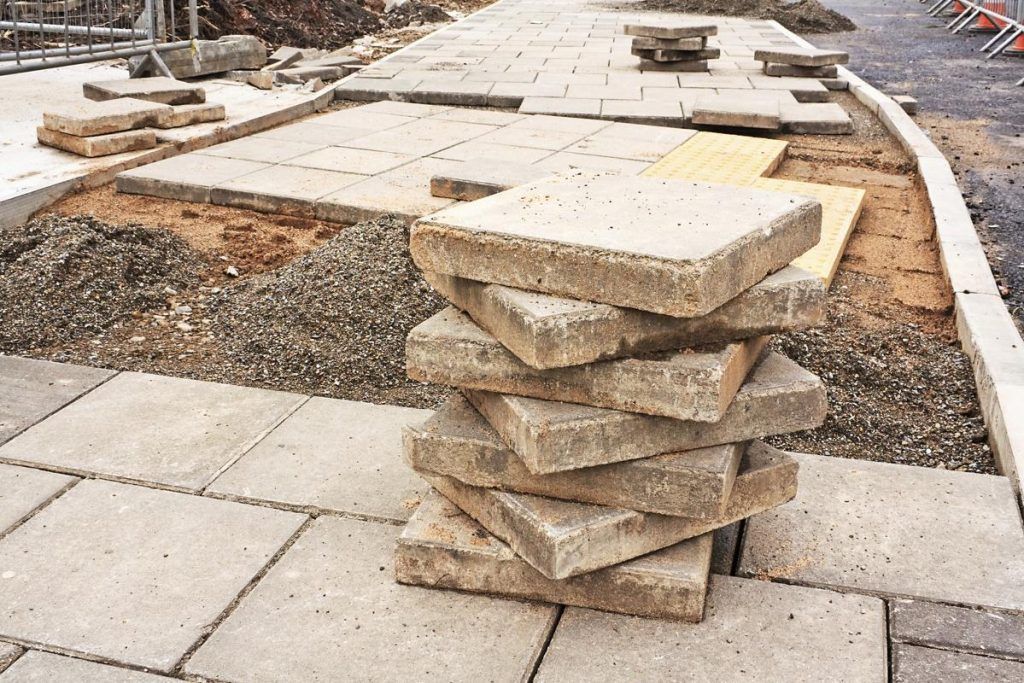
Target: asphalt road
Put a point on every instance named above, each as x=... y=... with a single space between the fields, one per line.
x=970 y=104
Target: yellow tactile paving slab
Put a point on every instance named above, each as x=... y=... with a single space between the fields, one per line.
x=840 y=209
x=720 y=158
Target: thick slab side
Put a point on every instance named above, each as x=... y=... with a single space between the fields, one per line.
x=87 y=118
x=154 y=89
x=97 y=145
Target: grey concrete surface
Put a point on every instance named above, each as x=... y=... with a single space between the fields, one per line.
x=43 y=667
x=982 y=632
x=23 y=490
x=912 y=664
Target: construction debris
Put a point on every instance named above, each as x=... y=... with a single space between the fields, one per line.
x=673 y=47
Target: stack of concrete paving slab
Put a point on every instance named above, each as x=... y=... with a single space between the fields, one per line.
x=801 y=62
x=673 y=47
x=608 y=336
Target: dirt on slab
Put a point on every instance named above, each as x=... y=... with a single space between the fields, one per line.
x=801 y=16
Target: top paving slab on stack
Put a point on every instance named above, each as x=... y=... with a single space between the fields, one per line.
x=670 y=30
x=679 y=249
x=800 y=56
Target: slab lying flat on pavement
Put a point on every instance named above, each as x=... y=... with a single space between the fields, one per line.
x=171 y=431
x=546 y=331
x=457 y=442
x=331 y=604
x=22 y=490
x=801 y=56
x=894 y=530
x=189 y=177
x=912 y=664
x=85 y=117
x=132 y=574
x=332 y=454
x=752 y=630
x=690 y=384
x=574 y=235
x=43 y=667
x=562 y=539
x=154 y=89
x=443 y=548
x=737 y=110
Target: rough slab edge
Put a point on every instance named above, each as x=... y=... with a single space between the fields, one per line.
x=18 y=209
x=987 y=332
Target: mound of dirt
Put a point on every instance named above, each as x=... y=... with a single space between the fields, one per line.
x=62 y=278
x=801 y=16
x=414 y=12
x=324 y=24
x=335 y=319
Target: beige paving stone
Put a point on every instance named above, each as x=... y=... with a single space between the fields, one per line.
x=8 y=653
x=912 y=664
x=670 y=30
x=188 y=177
x=22 y=490
x=481 y=178
x=367 y=89
x=359 y=117
x=752 y=631
x=604 y=92
x=97 y=145
x=643 y=112
x=677 y=55
x=421 y=137
x=800 y=71
x=155 y=89
x=803 y=89
x=348 y=160
x=405 y=192
x=513 y=94
x=561 y=538
x=403 y=109
x=894 y=530
x=443 y=548
x=566 y=162
x=132 y=574
x=457 y=442
x=561 y=124
x=482 y=116
x=691 y=66
x=539 y=138
x=85 y=117
x=736 y=111
x=331 y=607
x=571 y=235
x=545 y=331
x=266 y=150
x=826 y=118
x=32 y=389
x=191 y=114
x=630 y=141
x=336 y=455
x=801 y=56
x=475 y=150
x=289 y=190
x=646 y=43
x=311 y=133
x=778 y=397
x=690 y=384
x=462 y=93
x=43 y=667
x=560 y=106
x=166 y=430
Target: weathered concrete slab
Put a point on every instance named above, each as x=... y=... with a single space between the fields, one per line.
x=736 y=111
x=912 y=664
x=632 y=141
x=481 y=178
x=331 y=605
x=85 y=117
x=690 y=384
x=907 y=522
x=568 y=162
x=670 y=30
x=32 y=389
x=189 y=177
x=801 y=56
x=545 y=331
x=677 y=55
x=573 y=235
x=42 y=667
x=648 y=43
x=441 y=547
x=457 y=442
x=336 y=455
x=8 y=653
x=265 y=150
x=827 y=118
x=404 y=191
x=167 y=430
x=800 y=71
x=803 y=89
x=752 y=630
x=22 y=490
x=994 y=634
x=561 y=539
x=155 y=89
x=97 y=145
x=560 y=106
x=191 y=114
x=778 y=397
x=343 y=159
x=289 y=190
x=132 y=574
x=420 y=137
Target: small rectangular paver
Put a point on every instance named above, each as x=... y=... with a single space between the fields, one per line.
x=85 y=117
x=23 y=490
x=290 y=190
x=803 y=89
x=188 y=177
x=166 y=430
x=132 y=574
x=801 y=56
x=481 y=178
x=670 y=30
x=443 y=548
x=736 y=111
x=457 y=442
x=546 y=331
x=922 y=533
x=690 y=384
x=97 y=145
x=571 y=235
x=331 y=607
x=36 y=666
x=155 y=89
x=561 y=538
x=912 y=664
x=643 y=112
x=981 y=632
x=752 y=630
x=337 y=455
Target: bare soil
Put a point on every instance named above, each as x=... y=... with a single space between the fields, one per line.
x=802 y=16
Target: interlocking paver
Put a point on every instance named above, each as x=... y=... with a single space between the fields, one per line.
x=331 y=605
x=43 y=667
x=22 y=490
x=129 y=573
x=165 y=430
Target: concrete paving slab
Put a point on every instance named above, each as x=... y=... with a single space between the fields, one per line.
x=561 y=538
x=827 y=118
x=43 y=667
x=752 y=630
x=336 y=455
x=670 y=30
x=265 y=150
x=643 y=112
x=32 y=389
x=23 y=490
x=289 y=190
x=359 y=117
x=154 y=89
x=461 y=93
x=476 y=150
x=583 y=127
x=189 y=177
x=191 y=114
x=692 y=66
x=736 y=111
x=331 y=605
x=85 y=117
x=803 y=89
x=659 y=55
x=801 y=56
x=546 y=331
x=568 y=162
x=132 y=574
x=912 y=664
x=97 y=145
x=8 y=653
x=443 y=548
x=403 y=109
x=306 y=132
x=513 y=94
x=724 y=548
x=554 y=236
x=690 y=384
x=630 y=141
x=800 y=71
x=421 y=137
x=166 y=430
x=560 y=106
x=538 y=138
x=458 y=442
x=404 y=191
x=648 y=43
x=981 y=632
x=481 y=116
x=347 y=160
x=481 y=178
x=884 y=529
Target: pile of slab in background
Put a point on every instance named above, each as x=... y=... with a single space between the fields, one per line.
x=600 y=439
x=673 y=47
